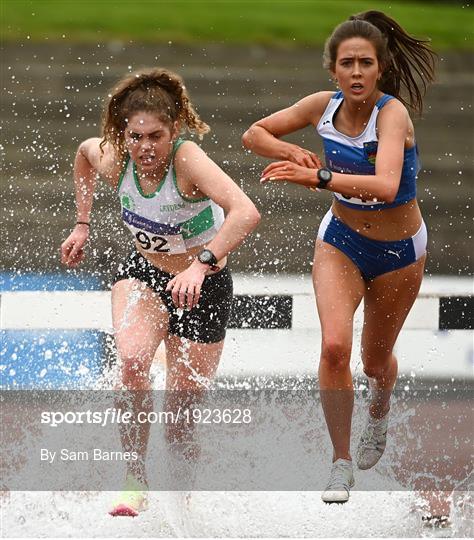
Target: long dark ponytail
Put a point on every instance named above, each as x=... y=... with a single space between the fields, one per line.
x=407 y=62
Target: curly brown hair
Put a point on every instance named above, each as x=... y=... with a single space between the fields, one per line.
x=407 y=63
x=155 y=90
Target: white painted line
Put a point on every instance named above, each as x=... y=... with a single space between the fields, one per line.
x=420 y=353
x=31 y=310
x=292 y=284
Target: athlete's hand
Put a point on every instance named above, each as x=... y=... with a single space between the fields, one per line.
x=185 y=287
x=303 y=157
x=290 y=172
x=72 y=249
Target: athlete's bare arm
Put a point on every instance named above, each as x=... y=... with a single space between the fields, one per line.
x=264 y=136
x=90 y=162
x=193 y=165
x=103 y=161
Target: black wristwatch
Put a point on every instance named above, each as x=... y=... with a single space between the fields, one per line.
x=324 y=176
x=207 y=257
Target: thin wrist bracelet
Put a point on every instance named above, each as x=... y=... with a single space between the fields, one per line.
x=83 y=223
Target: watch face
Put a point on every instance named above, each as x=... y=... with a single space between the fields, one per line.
x=324 y=174
x=205 y=256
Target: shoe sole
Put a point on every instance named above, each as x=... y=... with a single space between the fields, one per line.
x=126 y=510
x=367 y=468
x=123 y=510
x=351 y=485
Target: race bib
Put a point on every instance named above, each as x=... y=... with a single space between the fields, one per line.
x=159 y=243
x=154 y=237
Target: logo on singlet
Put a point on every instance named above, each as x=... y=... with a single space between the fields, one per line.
x=171 y=207
x=127 y=201
x=370 y=151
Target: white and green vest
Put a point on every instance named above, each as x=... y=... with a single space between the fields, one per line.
x=166 y=221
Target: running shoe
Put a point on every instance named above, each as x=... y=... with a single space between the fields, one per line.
x=132 y=500
x=340 y=482
x=372 y=442
x=436 y=527
x=436 y=522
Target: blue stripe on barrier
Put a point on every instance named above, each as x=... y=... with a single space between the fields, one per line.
x=12 y=281
x=50 y=359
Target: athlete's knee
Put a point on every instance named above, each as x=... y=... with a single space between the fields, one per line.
x=135 y=370
x=336 y=352
x=377 y=366
x=373 y=371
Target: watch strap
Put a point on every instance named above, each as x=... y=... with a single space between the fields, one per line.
x=211 y=259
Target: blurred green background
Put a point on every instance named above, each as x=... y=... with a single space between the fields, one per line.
x=272 y=22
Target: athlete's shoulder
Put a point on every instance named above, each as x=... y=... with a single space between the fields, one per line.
x=185 y=149
x=102 y=158
x=181 y=143
x=95 y=151
x=90 y=148
x=318 y=100
x=394 y=124
x=392 y=110
x=313 y=106
x=326 y=95
x=188 y=157
x=392 y=104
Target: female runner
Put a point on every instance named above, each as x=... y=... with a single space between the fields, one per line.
x=371 y=245
x=175 y=285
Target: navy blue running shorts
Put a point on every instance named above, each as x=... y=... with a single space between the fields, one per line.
x=372 y=257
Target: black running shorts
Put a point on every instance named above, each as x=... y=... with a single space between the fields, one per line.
x=205 y=323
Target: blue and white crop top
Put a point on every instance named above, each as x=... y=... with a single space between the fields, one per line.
x=357 y=155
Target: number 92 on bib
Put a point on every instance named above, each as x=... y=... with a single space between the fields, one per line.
x=159 y=243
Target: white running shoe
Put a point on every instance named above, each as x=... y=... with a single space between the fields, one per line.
x=436 y=527
x=372 y=442
x=436 y=522
x=340 y=482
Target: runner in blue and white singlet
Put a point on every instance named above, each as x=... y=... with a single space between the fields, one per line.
x=357 y=155
x=371 y=244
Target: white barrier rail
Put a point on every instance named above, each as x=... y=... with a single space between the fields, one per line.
x=275 y=329
x=286 y=303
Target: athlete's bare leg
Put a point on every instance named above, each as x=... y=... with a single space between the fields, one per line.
x=387 y=302
x=191 y=367
x=339 y=289
x=140 y=322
